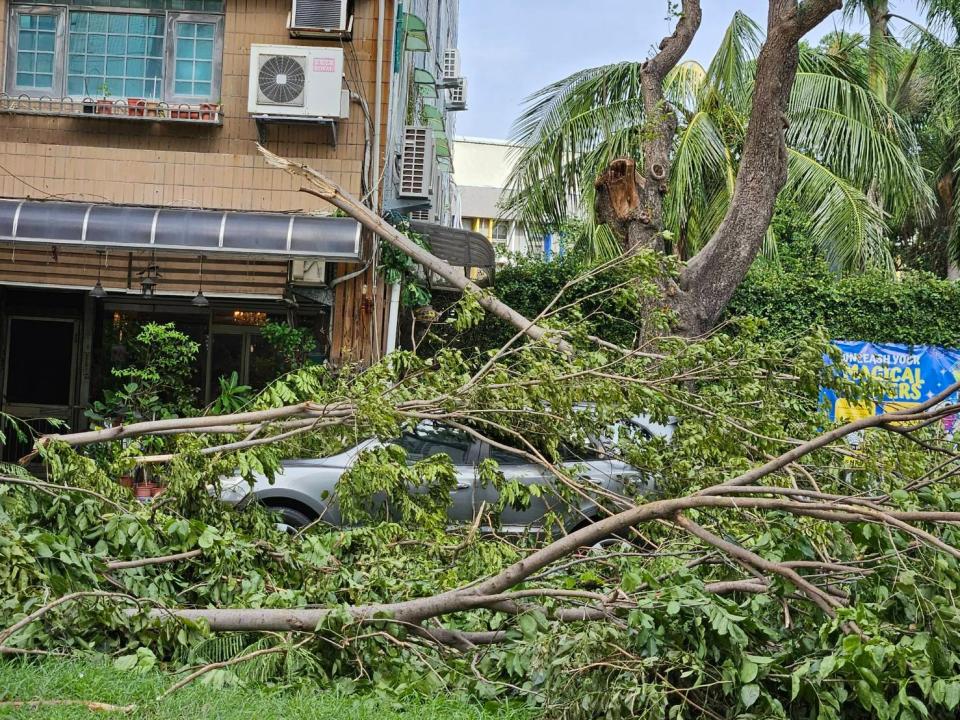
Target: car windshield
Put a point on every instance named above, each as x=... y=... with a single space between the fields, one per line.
x=428 y=440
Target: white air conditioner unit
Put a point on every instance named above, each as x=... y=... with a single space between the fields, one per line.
x=450 y=70
x=416 y=164
x=295 y=81
x=457 y=96
x=308 y=272
x=320 y=15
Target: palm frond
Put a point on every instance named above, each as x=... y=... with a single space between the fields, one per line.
x=860 y=138
x=849 y=230
x=730 y=75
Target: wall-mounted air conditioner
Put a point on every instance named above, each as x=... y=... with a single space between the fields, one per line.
x=319 y=16
x=295 y=81
x=457 y=96
x=308 y=272
x=450 y=68
x=416 y=164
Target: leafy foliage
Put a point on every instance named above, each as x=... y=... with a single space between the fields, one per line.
x=852 y=162
x=156 y=382
x=292 y=344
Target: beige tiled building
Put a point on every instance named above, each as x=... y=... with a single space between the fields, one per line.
x=128 y=162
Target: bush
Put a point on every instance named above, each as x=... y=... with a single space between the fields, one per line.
x=914 y=309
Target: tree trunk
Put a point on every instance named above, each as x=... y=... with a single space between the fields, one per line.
x=878 y=15
x=713 y=275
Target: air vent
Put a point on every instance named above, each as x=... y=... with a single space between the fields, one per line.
x=457 y=96
x=320 y=14
x=416 y=163
x=424 y=215
x=281 y=79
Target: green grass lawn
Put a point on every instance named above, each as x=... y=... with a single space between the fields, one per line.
x=81 y=680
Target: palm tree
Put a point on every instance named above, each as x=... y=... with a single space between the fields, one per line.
x=852 y=160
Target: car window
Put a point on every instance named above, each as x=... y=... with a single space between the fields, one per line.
x=424 y=442
x=578 y=453
x=506 y=458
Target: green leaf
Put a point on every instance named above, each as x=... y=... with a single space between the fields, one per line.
x=748 y=671
x=749 y=694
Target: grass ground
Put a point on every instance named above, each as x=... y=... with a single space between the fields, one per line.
x=81 y=680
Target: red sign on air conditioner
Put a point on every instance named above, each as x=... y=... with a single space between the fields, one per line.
x=324 y=65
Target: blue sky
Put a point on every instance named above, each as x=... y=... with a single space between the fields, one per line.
x=510 y=48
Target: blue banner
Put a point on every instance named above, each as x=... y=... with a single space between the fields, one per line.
x=913 y=375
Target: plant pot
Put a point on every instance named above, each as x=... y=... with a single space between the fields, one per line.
x=127 y=481
x=151 y=109
x=104 y=107
x=136 y=107
x=144 y=491
x=184 y=113
x=159 y=490
x=209 y=111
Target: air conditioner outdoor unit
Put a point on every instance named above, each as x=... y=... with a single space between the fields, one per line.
x=423 y=215
x=416 y=164
x=295 y=81
x=321 y=15
x=457 y=96
x=308 y=272
x=450 y=70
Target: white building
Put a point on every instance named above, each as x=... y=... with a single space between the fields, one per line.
x=482 y=167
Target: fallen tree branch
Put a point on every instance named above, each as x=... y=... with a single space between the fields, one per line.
x=128 y=564
x=90 y=705
x=332 y=193
x=227 y=663
x=40 y=612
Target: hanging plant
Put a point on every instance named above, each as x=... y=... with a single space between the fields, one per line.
x=398 y=268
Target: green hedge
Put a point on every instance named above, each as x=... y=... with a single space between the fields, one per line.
x=793 y=297
x=916 y=309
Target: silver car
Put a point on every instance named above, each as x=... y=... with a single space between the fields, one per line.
x=305 y=490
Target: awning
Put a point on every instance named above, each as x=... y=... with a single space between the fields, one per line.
x=462 y=248
x=415 y=33
x=426 y=83
x=200 y=232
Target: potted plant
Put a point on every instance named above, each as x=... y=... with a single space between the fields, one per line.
x=136 y=107
x=104 y=104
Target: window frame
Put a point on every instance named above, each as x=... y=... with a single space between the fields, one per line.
x=13 y=43
x=170 y=57
x=60 y=74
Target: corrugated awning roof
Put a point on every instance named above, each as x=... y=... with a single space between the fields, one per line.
x=204 y=232
x=462 y=248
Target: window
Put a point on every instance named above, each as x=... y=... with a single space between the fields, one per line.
x=36 y=39
x=115 y=55
x=194 y=58
x=501 y=231
x=118 y=49
x=427 y=441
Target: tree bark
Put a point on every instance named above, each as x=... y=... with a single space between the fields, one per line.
x=631 y=204
x=713 y=275
x=878 y=17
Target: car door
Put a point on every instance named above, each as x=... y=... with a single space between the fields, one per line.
x=429 y=439
x=516 y=468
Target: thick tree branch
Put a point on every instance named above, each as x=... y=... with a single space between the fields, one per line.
x=712 y=276
x=332 y=193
